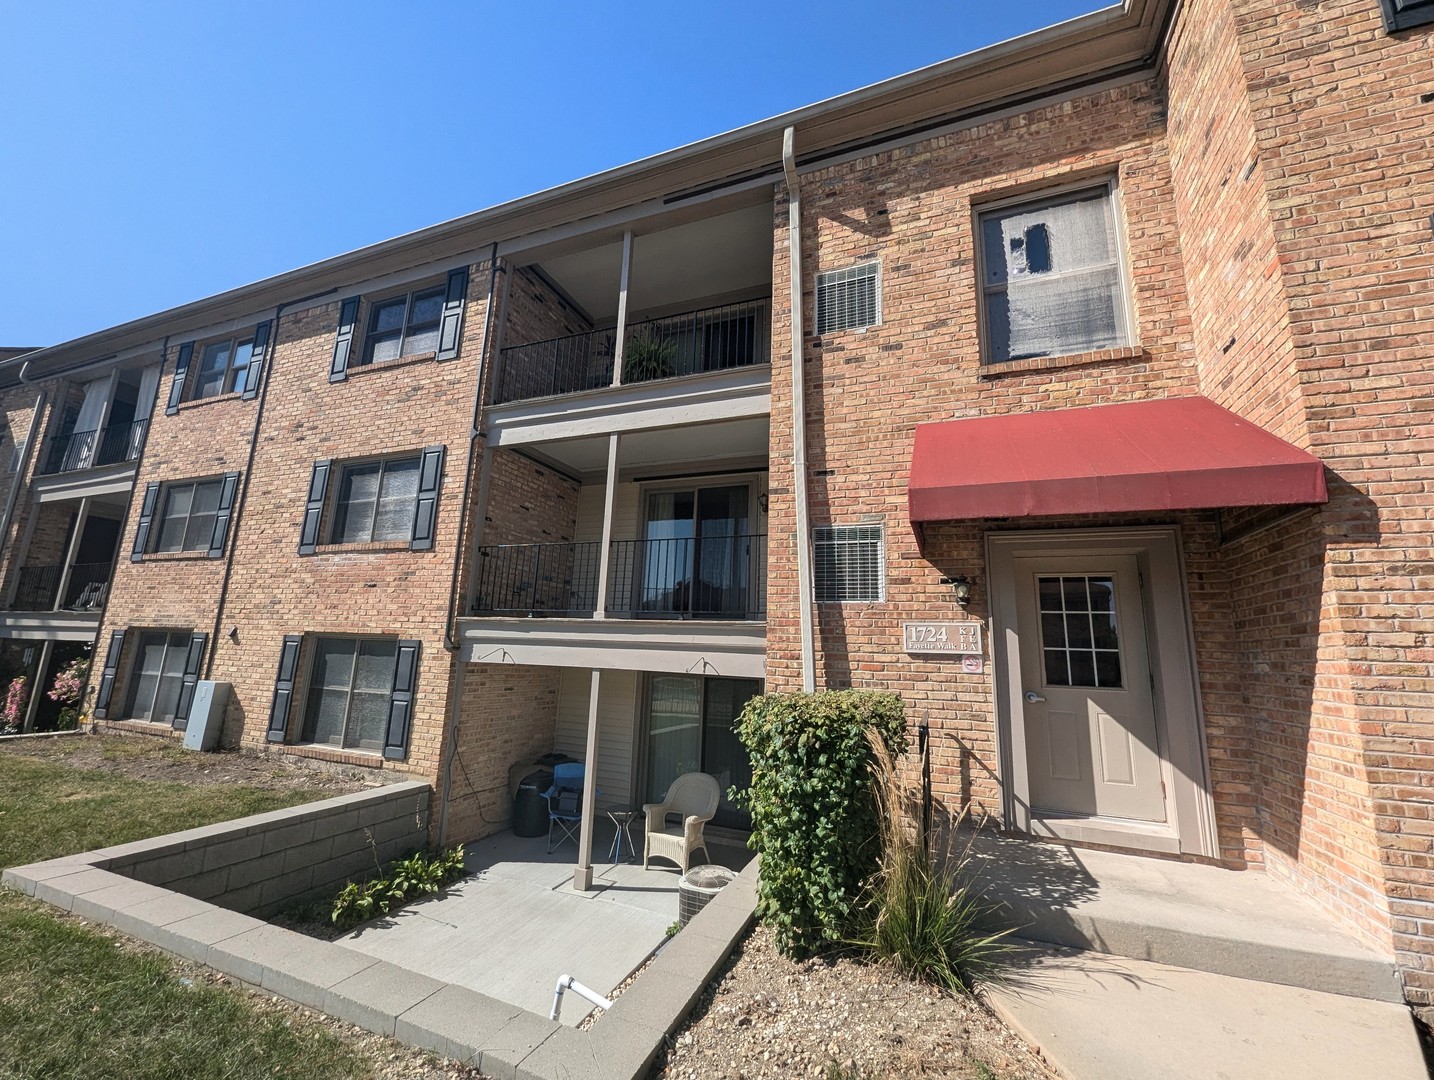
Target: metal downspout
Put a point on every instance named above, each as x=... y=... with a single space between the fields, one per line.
x=455 y=684
x=799 y=415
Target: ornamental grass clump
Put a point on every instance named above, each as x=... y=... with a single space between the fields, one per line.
x=814 y=818
x=919 y=911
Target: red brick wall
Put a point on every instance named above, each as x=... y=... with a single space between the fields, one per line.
x=507 y=715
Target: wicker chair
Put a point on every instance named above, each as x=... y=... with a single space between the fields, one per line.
x=692 y=795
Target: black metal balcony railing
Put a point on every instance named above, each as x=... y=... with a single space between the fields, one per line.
x=711 y=577
x=36 y=587
x=91 y=449
x=712 y=339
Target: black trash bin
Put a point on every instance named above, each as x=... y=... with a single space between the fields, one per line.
x=530 y=809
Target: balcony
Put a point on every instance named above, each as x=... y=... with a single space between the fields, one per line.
x=93 y=449
x=711 y=577
x=37 y=588
x=692 y=343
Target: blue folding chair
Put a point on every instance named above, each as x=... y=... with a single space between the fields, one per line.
x=565 y=803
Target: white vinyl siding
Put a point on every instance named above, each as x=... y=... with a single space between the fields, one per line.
x=617 y=726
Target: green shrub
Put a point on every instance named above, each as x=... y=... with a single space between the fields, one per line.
x=421 y=874
x=813 y=818
x=919 y=911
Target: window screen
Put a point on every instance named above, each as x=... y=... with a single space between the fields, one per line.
x=187 y=523
x=1052 y=283
x=848 y=299
x=376 y=501
x=849 y=563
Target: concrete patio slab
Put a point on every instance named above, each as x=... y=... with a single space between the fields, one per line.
x=1102 y=1017
x=1242 y=923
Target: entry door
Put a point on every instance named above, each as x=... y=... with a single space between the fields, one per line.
x=690 y=722
x=695 y=553
x=1087 y=700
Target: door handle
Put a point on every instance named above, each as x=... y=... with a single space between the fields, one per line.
x=1032 y=697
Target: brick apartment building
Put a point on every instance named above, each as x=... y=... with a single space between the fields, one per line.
x=1110 y=451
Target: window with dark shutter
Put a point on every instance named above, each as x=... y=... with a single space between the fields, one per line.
x=181 y=376
x=450 y=333
x=343 y=344
x=314 y=508
x=146 y=517
x=360 y=694
x=1406 y=14
x=229 y=487
x=425 y=508
x=400 y=706
x=249 y=384
x=105 y=690
x=283 y=698
x=189 y=679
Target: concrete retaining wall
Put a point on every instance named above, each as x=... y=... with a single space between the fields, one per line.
x=259 y=865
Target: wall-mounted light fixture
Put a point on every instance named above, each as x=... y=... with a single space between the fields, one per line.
x=762 y=501
x=961 y=584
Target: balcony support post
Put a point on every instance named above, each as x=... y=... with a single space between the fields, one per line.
x=72 y=551
x=605 y=550
x=583 y=874
x=42 y=669
x=620 y=334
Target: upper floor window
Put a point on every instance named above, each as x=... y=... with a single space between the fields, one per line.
x=375 y=501
x=404 y=325
x=849 y=563
x=1051 y=277
x=187 y=521
x=849 y=299
x=224 y=368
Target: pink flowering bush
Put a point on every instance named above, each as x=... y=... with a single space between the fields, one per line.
x=70 y=682
x=13 y=712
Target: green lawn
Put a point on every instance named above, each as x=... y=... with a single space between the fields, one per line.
x=75 y=1003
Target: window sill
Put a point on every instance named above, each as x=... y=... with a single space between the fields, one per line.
x=213 y=399
x=355 y=370
x=364 y=759
x=372 y=547
x=177 y=556
x=1054 y=363
x=157 y=729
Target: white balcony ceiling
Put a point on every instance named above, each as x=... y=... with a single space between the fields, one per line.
x=665 y=451
x=673 y=269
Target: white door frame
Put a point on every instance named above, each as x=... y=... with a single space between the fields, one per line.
x=1190 y=818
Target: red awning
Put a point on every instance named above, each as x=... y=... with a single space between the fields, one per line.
x=1170 y=454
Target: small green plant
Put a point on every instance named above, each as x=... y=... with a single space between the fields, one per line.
x=673 y=928
x=814 y=820
x=919 y=911
x=646 y=356
x=421 y=874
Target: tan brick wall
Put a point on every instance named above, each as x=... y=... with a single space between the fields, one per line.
x=507 y=716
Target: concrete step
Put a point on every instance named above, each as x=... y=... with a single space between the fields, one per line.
x=1100 y=1017
x=1239 y=923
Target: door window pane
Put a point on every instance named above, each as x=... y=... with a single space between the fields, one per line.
x=1079 y=641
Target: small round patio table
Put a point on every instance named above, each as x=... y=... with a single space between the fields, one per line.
x=622 y=818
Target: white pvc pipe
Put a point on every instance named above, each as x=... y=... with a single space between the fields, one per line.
x=567 y=982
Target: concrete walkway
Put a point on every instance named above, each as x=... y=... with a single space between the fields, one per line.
x=1102 y=1017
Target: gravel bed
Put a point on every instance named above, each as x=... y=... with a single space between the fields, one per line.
x=769 y=1018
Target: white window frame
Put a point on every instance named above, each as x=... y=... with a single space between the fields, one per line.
x=365 y=356
x=1125 y=308
x=817 y=293
x=828 y=534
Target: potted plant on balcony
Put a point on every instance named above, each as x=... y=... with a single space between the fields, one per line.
x=647 y=356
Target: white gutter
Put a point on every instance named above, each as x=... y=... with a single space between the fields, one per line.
x=799 y=414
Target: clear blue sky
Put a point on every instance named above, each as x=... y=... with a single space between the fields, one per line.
x=156 y=152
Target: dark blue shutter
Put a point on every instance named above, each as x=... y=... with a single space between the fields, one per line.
x=450 y=333
x=146 y=516
x=107 y=674
x=222 y=515
x=314 y=510
x=256 y=360
x=284 y=688
x=400 y=704
x=348 y=315
x=192 y=662
x=425 y=507
x=181 y=373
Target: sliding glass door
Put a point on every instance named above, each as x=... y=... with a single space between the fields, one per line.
x=690 y=728
x=696 y=553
